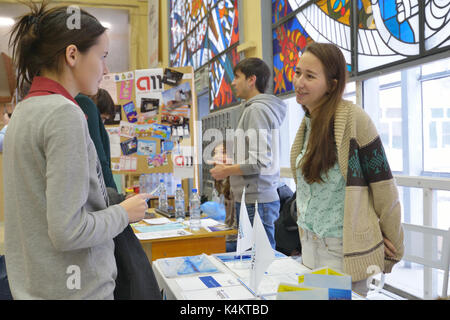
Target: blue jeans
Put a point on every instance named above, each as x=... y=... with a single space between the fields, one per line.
x=268 y=212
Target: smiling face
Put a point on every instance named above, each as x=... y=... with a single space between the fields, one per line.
x=310 y=81
x=91 y=66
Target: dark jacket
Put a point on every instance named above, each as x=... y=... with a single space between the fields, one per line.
x=99 y=136
x=135 y=278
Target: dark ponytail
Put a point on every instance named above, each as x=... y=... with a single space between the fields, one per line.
x=39 y=39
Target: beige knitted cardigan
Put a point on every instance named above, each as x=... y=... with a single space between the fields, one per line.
x=372 y=207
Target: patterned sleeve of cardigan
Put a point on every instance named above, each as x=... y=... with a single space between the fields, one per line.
x=368 y=166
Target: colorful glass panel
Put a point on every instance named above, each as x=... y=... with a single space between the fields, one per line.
x=338 y=10
x=288 y=40
x=393 y=36
x=388 y=30
x=322 y=28
x=280 y=9
x=437 y=24
x=221 y=75
x=223 y=27
x=178 y=57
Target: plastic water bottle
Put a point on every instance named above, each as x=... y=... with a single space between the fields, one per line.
x=162 y=195
x=148 y=183
x=179 y=204
x=142 y=183
x=194 y=211
x=154 y=182
x=170 y=190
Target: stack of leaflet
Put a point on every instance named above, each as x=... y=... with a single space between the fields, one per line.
x=219 y=286
x=319 y=284
x=163 y=230
x=179 y=266
x=282 y=270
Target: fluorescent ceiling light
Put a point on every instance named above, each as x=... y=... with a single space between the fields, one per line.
x=6 y=22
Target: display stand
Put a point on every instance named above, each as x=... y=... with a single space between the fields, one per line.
x=158 y=129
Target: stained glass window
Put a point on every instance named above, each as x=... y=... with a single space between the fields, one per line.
x=387 y=31
x=206 y=32
x=288 y=40
x=223 y=27
x=437 y=24
x=280 y=9
x=221 y=75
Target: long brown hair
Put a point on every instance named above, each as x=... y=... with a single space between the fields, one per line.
x=39 y=38
x=320 y=153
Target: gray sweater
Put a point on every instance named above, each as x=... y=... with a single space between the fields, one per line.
x=256 y=149
x=58 y=228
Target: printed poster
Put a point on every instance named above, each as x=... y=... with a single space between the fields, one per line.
x=126 y=90
x=128 y=163
x=129 y=146
x=146 y=148
x=183 y=162
x=130 y=112
x=127 y=129
x=109 y=85
x=148 y=86
x=158 y=160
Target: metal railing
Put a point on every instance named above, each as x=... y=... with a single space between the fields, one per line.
x=430 y=186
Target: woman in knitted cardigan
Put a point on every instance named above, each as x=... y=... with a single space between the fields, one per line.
x=347 y=201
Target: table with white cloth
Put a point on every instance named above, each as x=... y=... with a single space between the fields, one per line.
x=230 y=280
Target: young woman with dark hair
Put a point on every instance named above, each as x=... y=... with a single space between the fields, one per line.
x=347 y=201
x=59 y=229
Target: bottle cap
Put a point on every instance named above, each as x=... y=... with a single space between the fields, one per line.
x=161 y=180
x=194 y=190
x=178 y=185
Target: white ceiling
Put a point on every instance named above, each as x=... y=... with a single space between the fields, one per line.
x=119 y=34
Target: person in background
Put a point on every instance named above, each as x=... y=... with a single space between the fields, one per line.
x=223 y=188
x=347 y=202
x=3 y=131
x=256 y=165
x=59 y=227
x=105 y=104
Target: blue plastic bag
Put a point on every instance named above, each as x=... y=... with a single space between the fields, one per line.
x=214 y=210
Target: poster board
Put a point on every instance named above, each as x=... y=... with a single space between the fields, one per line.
x=155 y=129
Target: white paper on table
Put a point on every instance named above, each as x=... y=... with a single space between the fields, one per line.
x=195 y=283
x=287 y=266
x=162 y=234
x=280 y=270
x=220 y=293
x=156 y=221
x=269 y=284
x=208 y=222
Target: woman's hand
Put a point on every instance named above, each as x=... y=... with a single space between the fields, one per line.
x=136 y=207
x=389 y=248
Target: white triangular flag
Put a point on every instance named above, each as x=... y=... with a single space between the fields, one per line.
x=262 y=255
x=245 y=231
